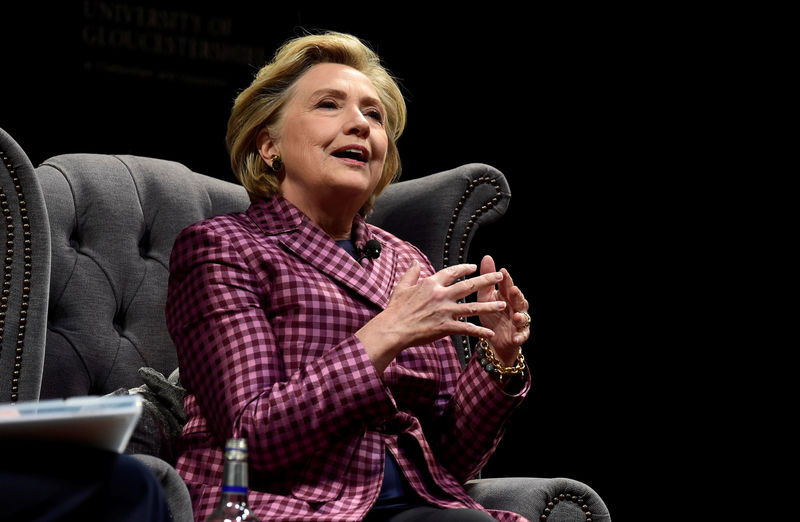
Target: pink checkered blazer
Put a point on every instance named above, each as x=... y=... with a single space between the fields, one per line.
x=262 y=308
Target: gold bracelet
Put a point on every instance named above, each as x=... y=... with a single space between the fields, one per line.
x=490 y=362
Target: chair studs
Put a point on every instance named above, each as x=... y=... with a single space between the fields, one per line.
x=11 y=248
x=566 y=497
x=450 y=238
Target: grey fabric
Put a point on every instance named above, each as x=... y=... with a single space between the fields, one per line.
x=455 y=202
x=25 y=278
x=113 y=220
x=560 y=499
x=161 y=424
x=178 y=498
x=167 y=392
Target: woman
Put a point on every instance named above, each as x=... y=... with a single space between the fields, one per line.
x=337 y=369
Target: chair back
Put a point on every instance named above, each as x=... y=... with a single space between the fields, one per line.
x=113 y=220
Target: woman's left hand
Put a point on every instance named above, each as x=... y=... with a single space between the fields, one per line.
x=511 y=326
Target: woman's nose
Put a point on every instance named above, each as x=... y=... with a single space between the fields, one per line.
x=356 y=122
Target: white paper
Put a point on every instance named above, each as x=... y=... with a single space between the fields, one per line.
x=101 y=422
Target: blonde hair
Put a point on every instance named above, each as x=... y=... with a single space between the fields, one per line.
x=260 y=105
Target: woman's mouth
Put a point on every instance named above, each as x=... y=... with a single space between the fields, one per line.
x=352 y=153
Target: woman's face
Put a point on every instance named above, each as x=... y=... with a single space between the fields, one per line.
x=332 y=139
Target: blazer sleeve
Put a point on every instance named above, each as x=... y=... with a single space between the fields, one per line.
x=469 y=417
x=473 y=421
x=232 y=364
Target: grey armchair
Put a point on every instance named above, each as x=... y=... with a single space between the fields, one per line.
x=88 y=239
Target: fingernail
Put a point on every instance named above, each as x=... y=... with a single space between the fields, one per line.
x=501 y=305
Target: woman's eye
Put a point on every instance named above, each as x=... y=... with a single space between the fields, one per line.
x=375 y=114
x=327 y=104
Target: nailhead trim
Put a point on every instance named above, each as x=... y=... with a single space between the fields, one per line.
x=568 y=498
x=7 y=272
x=463 y=242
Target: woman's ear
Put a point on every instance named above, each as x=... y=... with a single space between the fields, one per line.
x=266 y=145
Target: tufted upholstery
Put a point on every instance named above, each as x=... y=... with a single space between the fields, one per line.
x=88 y=239
x=113 y=220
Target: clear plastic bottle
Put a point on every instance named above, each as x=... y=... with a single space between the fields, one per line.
x=233 y=506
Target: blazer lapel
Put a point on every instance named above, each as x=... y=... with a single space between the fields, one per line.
x=371 y=278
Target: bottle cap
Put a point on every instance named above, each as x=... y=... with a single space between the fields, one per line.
x=236 y=449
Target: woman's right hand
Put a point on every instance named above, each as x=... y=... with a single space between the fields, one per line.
x=424 y=310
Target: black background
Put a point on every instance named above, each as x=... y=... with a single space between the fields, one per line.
x=574 y=105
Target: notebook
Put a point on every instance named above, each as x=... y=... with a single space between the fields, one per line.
x=101 y=422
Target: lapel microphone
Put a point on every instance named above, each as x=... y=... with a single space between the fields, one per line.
x=372 y=249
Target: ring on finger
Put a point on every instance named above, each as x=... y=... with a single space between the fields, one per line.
x=527 y=322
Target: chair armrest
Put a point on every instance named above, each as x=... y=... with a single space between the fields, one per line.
x=441 y=213
x=26 y=275
x=541 y=499
x=177 y=494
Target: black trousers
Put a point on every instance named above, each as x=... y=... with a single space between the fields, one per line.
x=48 y=482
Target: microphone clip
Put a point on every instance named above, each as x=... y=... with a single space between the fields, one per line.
x=371 y=250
